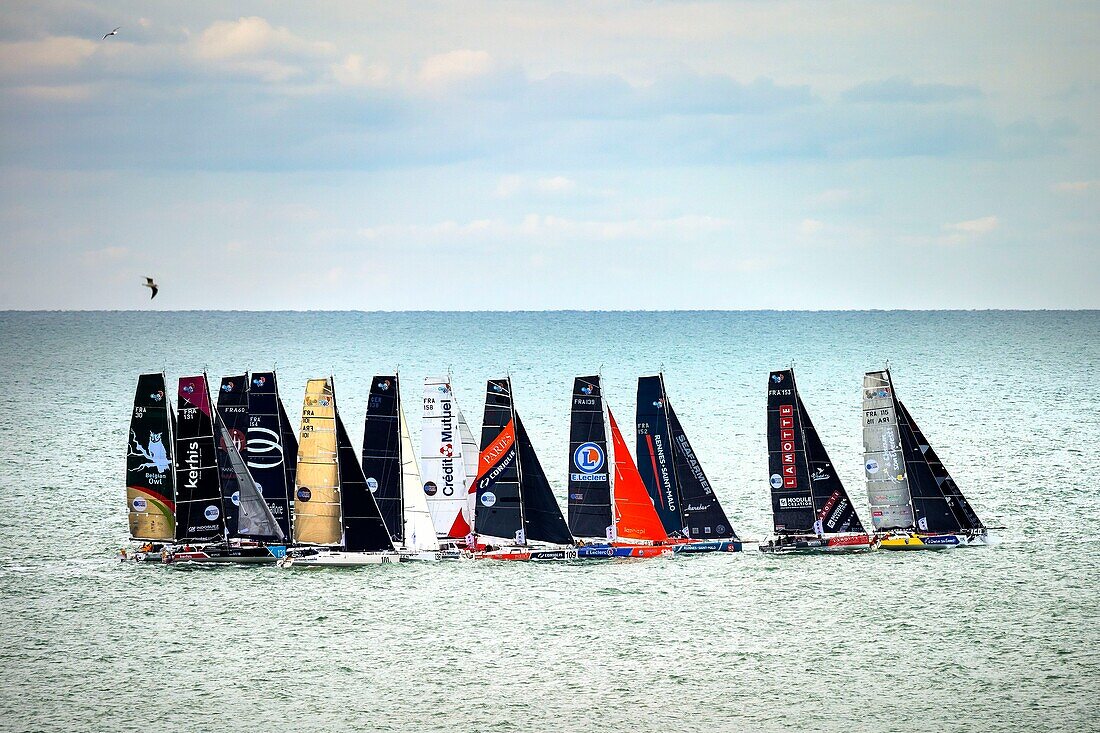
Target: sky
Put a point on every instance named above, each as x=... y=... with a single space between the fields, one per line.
x=550 y=155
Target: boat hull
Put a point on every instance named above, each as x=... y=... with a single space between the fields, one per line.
x=914 y=541
x=814 y=545
x=523 y=554
x=338 y=559
x=608 y=552
x=696 y=548
x=222 y=555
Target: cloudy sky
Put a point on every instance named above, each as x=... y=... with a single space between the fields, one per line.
x=546 y=155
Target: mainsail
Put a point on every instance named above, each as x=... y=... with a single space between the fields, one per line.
x=448 y=461
x=807 y=495
x=515 y=501
x=199 y=511
x=589 y=467
x=672 y=473
x=253 y=519
x=317 y=518
x=150 y=484
x=271 y=449
x=655 y=460
x=382 y=453
x=883 y=457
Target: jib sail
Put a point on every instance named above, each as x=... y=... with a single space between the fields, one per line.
x=419 y=530
x=541 y=514
x=252 y=518
x=364 y=529
x=589 y=467
x=635 y=516
x=150 y=479
x=232 y=408
x=199 y=511
x=703 y=514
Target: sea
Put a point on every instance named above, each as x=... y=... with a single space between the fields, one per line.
x=1003 y=638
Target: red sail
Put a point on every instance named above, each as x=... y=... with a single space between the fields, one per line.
x=636 y=516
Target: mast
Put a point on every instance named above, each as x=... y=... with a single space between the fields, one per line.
x=150 y=478
x=590 y=480
x=318 y=516
x=199 y=509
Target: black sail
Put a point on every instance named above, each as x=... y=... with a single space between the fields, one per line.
x=382 y=453
x=589 y=470
x=833 y=508
x=271 y=448
x=150 y=479
x=233 y=410
x=364 y=530
x=542 y=517
x=931 y=509
x=199 y=511
x=788 y=474
x=655 y=456
x=703 y=514
x=498 y=512
x=960 y=507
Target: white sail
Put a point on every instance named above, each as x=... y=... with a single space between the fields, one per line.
x=883 y=460
x=419 y=530
x=448 y=460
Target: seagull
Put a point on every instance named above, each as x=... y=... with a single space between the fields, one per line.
x=152 y=286
x=112 y=33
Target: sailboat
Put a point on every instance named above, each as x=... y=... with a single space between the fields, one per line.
x=915 y=504
x=448 y=463
x=221 y=517
x=686 y=503
x=811 y=510
x=610 y=512
x=150 y=477
x=515 y=505
x=389 y=464
x=336 y=519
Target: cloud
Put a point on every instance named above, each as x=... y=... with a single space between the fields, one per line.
x=1073 y=186
x=355 y=71
x=455 y=65
x=809 y=227
x=511 y=185
x=983 y=225
x=902 y=90
x=253 y=47
x=52 y=52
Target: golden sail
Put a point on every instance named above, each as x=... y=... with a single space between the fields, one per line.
x=317 y=484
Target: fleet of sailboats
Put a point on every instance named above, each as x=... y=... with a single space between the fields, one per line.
x=228 y=481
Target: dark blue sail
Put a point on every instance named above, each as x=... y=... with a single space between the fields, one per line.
x=542 y=517
x=589 y=469
x=655 y=457
x=364 y=530
x=381 y=455
x=498 y=511
x=834 y=510
x=959 y=506
x=931 y=509
x=703 y=514
x=271 y=448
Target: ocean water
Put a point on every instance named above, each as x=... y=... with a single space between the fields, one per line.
x=993 y=639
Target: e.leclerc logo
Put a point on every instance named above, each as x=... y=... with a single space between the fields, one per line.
x=588 y=458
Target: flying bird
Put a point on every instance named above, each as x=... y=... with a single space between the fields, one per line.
x=152 y=286
x=112 y=33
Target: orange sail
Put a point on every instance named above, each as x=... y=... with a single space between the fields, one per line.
x=636 y=517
